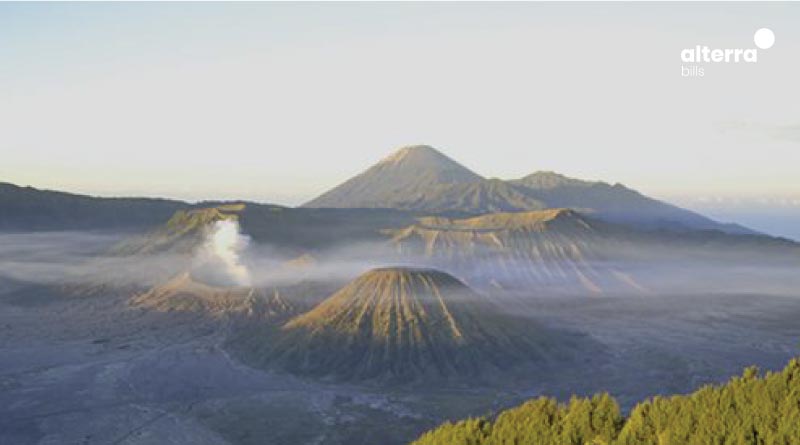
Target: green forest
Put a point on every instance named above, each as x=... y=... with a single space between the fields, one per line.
x=751 y=409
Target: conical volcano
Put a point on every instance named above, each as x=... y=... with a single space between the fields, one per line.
x=404 y=177
x=404 y=324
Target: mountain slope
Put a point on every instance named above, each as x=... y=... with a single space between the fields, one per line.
x=29 y=209
x=485 y=196
x=419 y=178
x=404 y=176
x=400 y=325
x=615 y=203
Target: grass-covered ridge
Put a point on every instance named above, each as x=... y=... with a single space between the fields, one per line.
x=751 y=409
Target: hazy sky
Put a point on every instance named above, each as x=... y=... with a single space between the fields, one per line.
x=278 y=102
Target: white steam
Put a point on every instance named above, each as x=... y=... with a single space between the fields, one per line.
x=219 y=259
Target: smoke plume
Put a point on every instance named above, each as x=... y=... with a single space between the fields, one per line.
x=219 y=259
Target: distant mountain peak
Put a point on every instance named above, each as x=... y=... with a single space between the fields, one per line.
x=414 y=152
x=419 y=160
x=397 y=178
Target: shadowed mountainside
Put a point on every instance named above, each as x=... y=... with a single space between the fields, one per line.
x=29 y=209
x=296 y=229
x=616 y=203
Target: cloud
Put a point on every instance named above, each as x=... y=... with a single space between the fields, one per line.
x=780 y=132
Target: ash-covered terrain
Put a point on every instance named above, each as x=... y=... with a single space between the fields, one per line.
x=95 y=370
x=428 y=293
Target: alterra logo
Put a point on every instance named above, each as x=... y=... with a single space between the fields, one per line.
x=764 y=38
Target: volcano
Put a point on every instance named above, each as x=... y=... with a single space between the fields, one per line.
x=410 y=174
x=184 y=294
x=554 y=249
x=182 y=233
x=402 y=325
x=421 y=179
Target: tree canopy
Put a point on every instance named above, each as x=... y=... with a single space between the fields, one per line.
x=752 y=409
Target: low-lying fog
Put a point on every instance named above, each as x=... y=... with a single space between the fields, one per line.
x=226 y=257
x=92 y=370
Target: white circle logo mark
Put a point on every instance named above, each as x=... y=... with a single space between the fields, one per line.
x=764 y=38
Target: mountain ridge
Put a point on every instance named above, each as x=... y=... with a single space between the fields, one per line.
x=414 y=179
x=411 y=179
x=545 y=249
x=28 y=208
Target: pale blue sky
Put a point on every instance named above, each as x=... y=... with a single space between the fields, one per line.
x=278 y=102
